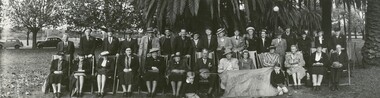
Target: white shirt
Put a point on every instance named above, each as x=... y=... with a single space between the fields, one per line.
x=104 y=63
x=196 y=42
x=318 y=56
x=320 y=39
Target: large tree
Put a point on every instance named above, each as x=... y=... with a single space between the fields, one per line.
x=36 y=14
x=371 y=48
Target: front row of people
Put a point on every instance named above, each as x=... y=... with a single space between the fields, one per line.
x=180 y=73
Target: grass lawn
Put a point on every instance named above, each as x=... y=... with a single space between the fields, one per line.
x=22 y=73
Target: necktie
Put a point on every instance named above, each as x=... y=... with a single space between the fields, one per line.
x=59 y=65
x=204 y=61
x=110 y=40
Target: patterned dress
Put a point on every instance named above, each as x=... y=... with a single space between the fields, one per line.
x=270 y=59
x=295 y=62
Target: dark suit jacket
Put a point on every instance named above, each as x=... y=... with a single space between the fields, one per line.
x=263 y=48
x=86 y=66
x=87 y=46
x=324 y=60
x=324 y=44
x=70 y=49
x=135 y=64
x=196 y=48
x=304 y=45
x=159 y=63
x=181 y=66
x=129 y=44
x=171 y=44
x=112 y=47
x=341 y=40
x=342 y=58
x=182 y=45
x=54 y=67
x=291 y=39
x=204 y=44
x=276 y=79
x=201 y=65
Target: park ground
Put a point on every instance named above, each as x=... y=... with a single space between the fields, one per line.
x=23 y=71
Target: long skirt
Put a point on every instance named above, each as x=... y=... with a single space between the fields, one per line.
x=152 y=76
x=177 y=77
x=126 y=78
x=299 y=70
x=55 y=78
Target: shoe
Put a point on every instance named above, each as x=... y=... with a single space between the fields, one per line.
x=319 y=88
x=152 y=95
x=125 y=94
x=80 y=94
x=129 y=94
x=99 y=94
x=149 y=94
x=337 y=88
x=55 y=95
x=314 y=88
x=59 y=95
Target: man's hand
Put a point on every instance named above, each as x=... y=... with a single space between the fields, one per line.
x=188 y=56
x=154 y=68
x=90 y=55
x=127 y=70
x=57 y=72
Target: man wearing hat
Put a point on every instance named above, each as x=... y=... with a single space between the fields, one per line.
x=58 y=72
x=154 y=71
x=338 y=39
x=129 y=42
x=166 y=43
x=147 y=42
x=224 y=43
x=209 y=41
x=182 y=44
x=87 y=43
x=251 y=39
x=263 y=42
x=290 y=37
x=110 y=43
x=271 y=58
x=280 y=45
x=65 y=46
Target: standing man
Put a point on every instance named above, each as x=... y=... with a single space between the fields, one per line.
x=338 y=39
x=182 y=44
x=209 y=41
x=129 y=42
x=87 y=44
x=263 y=43
x=280 y=45
x=238 y=43
x=65 y=46
x=166 y=43
x=291 y=38
x=110 y=43
x=147 y=42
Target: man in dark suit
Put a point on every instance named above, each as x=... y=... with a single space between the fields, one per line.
x=166 y=43
x=65 y=46
x=203 y=67
x=128 y=65
x=291 y=38
x=263 y=43
x=339 y=58
x=321 y=40
x=338 y=39
x=182 y=44
x=209 y=41
x=110 y=43
x=87 y=43
x=129 y=42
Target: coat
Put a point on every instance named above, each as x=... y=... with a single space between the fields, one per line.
x=159 y=62
x=143 y=48
x=291 y=39
x=263 y=46
x=70 y=49
x=132 y=43
x=341 y=40
x=183 y=46
x=238 y=44
x=281 y=46
x=201 y=65
x=110 y=66
x=324 y=43
x=167 y=47
x=54 y=67
x=304 y=45
x=87 y=46
x=342 y=58
x=205 y=44
x=134 y=64
x=224 y=43
x=112 y=47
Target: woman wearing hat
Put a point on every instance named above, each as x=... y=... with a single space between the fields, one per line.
x=82 y=67
x=58 y=72
x=251 y=39
x=103 y=68
x=154 y=71
x=224 y=43
x=294 y=62
x=319 y=62
x=246 y=63
x=228 y=63
x=271 y=58
x=177 y=73
x=128 y=65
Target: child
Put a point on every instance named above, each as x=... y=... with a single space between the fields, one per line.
x=190 y=87
x=277 y=79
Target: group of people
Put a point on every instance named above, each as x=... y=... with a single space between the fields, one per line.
x=185 y=59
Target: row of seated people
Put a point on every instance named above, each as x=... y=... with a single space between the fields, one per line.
x=128 y=69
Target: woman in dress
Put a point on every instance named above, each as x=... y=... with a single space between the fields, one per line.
x=246 y=63
x=271 y=58
x=128 y=65
x=294 y=62
x=81 y=69
x=177 y=73
x=318 y=63
x=227 y=64
x=58 y=72
x=103 y=68
x=154 y=70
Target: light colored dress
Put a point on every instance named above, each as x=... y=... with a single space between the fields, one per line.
x=246 y=64
x=226 y=65
x=295 y=62
x=270 y=59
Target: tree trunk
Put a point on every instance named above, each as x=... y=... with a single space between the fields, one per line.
x=371 y=48
x=326 y=17
x=27 y=38
x=34 y=32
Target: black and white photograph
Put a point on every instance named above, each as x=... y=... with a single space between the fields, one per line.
x=189 y=48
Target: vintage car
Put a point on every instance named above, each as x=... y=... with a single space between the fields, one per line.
x=16 y=43
x=49 y=42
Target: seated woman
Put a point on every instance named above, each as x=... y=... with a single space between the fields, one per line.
x=177 y=73
x=128 y=65
x=154 y=71
x=227 y=64
x=104 y=66
x=58 y=72
x=203 y=68
x=246 y=63
x=319 y=62
x=271 y=58
x=294 y=62
x=340 y=60
x=82 y=67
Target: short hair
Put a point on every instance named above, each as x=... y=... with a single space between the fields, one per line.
x=295 y=46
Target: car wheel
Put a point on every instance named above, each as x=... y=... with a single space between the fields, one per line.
x=17 y=47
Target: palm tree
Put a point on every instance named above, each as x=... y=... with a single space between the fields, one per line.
x=371 y=48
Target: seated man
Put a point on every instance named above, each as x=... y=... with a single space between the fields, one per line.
x=58 y=72
x=128 y=66
x=204 y=67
